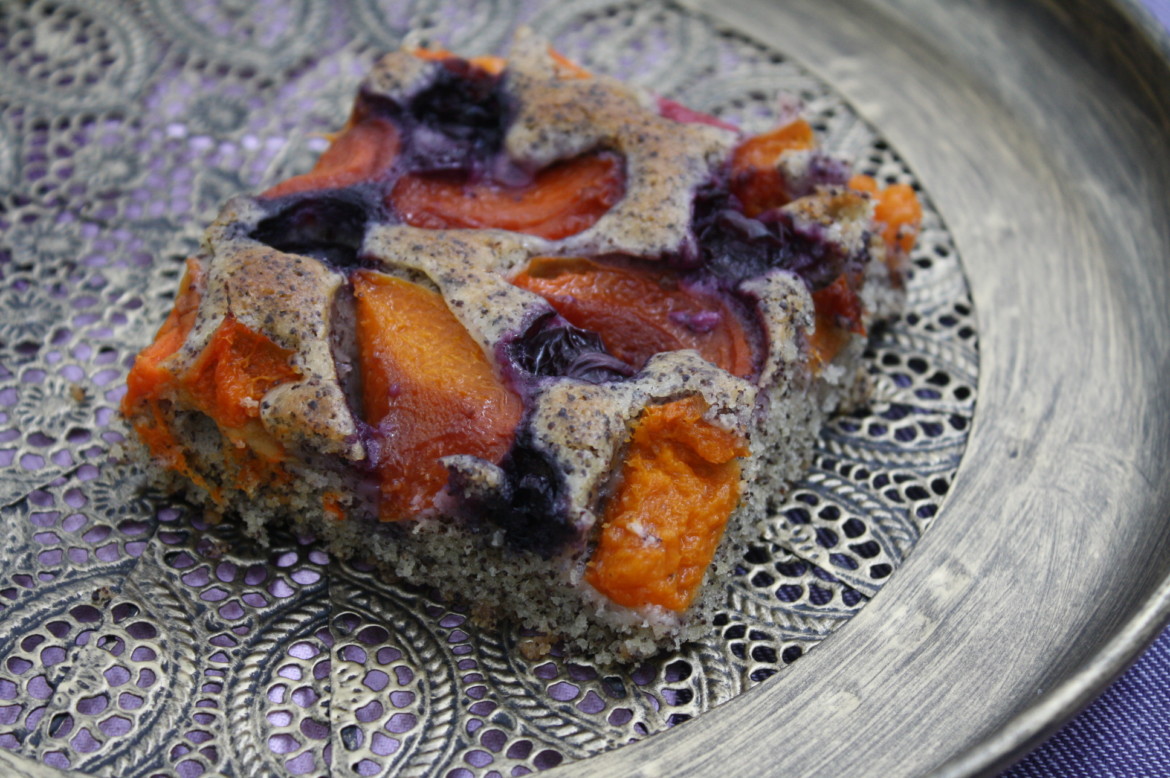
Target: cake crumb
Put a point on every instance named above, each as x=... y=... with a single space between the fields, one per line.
x=534 y=648
x=101 y=596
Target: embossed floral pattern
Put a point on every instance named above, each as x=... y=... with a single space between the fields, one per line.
x=140 y=636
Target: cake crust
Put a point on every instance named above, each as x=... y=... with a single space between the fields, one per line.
x=518 y=535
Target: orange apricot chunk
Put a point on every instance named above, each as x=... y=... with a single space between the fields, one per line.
x=567 y=68
x=431 y=55
x=489 y=64
x=679 y=484
x=563 y=199
x=839 y=314
x=840 y=304
x=333 y=506
x=226 y=382
x=428 y=387
x=864 y=183
x=639 y=313
x=897 y=207
x=754 y=177
x=234 y=372
x=147 y=373
x=362 y=152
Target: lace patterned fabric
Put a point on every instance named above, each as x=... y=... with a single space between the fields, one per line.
x=139 y=636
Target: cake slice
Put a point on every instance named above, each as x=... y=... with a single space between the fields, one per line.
x=538 y=339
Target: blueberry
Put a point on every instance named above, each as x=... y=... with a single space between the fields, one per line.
x=553 y=347
x=462 y=102
x=328 y=228
x=458 y=121
x=530 y=505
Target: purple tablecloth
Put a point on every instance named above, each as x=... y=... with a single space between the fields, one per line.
x=1160 y=9
x=1126 y=732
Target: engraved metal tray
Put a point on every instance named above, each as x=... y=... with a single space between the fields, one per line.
x=138 y=637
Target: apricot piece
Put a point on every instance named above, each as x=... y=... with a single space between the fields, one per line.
x=431 y=55
x=864 y=183
x=897 y=207
x=149 y=381
x=679 y=484
x=826 y=342
x=333 y=506
x=488 y=64
x=563 y=199
x=755 y=181
x=639 y=313
x=362 y=152
x=567 y=68
x=226 y=382
x=234 y=372
x=147 y=374
x=840 y=304
x=428 y=388
x=838 y=316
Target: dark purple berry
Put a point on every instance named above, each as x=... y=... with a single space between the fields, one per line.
x=530 y=506
x=330 y=229
x=553 y=347
x=734 y=247
x=456 y=123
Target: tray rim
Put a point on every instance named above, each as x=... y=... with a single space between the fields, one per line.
x=1034 y=725
x=1026 y=729
x=1036 y=722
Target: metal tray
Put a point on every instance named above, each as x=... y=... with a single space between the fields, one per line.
x=1037 y=131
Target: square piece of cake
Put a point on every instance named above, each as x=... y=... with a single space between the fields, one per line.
x=528 y=335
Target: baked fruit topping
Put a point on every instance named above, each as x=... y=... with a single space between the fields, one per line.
x=641 y=311
x=529 y=335
x=428 y=390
